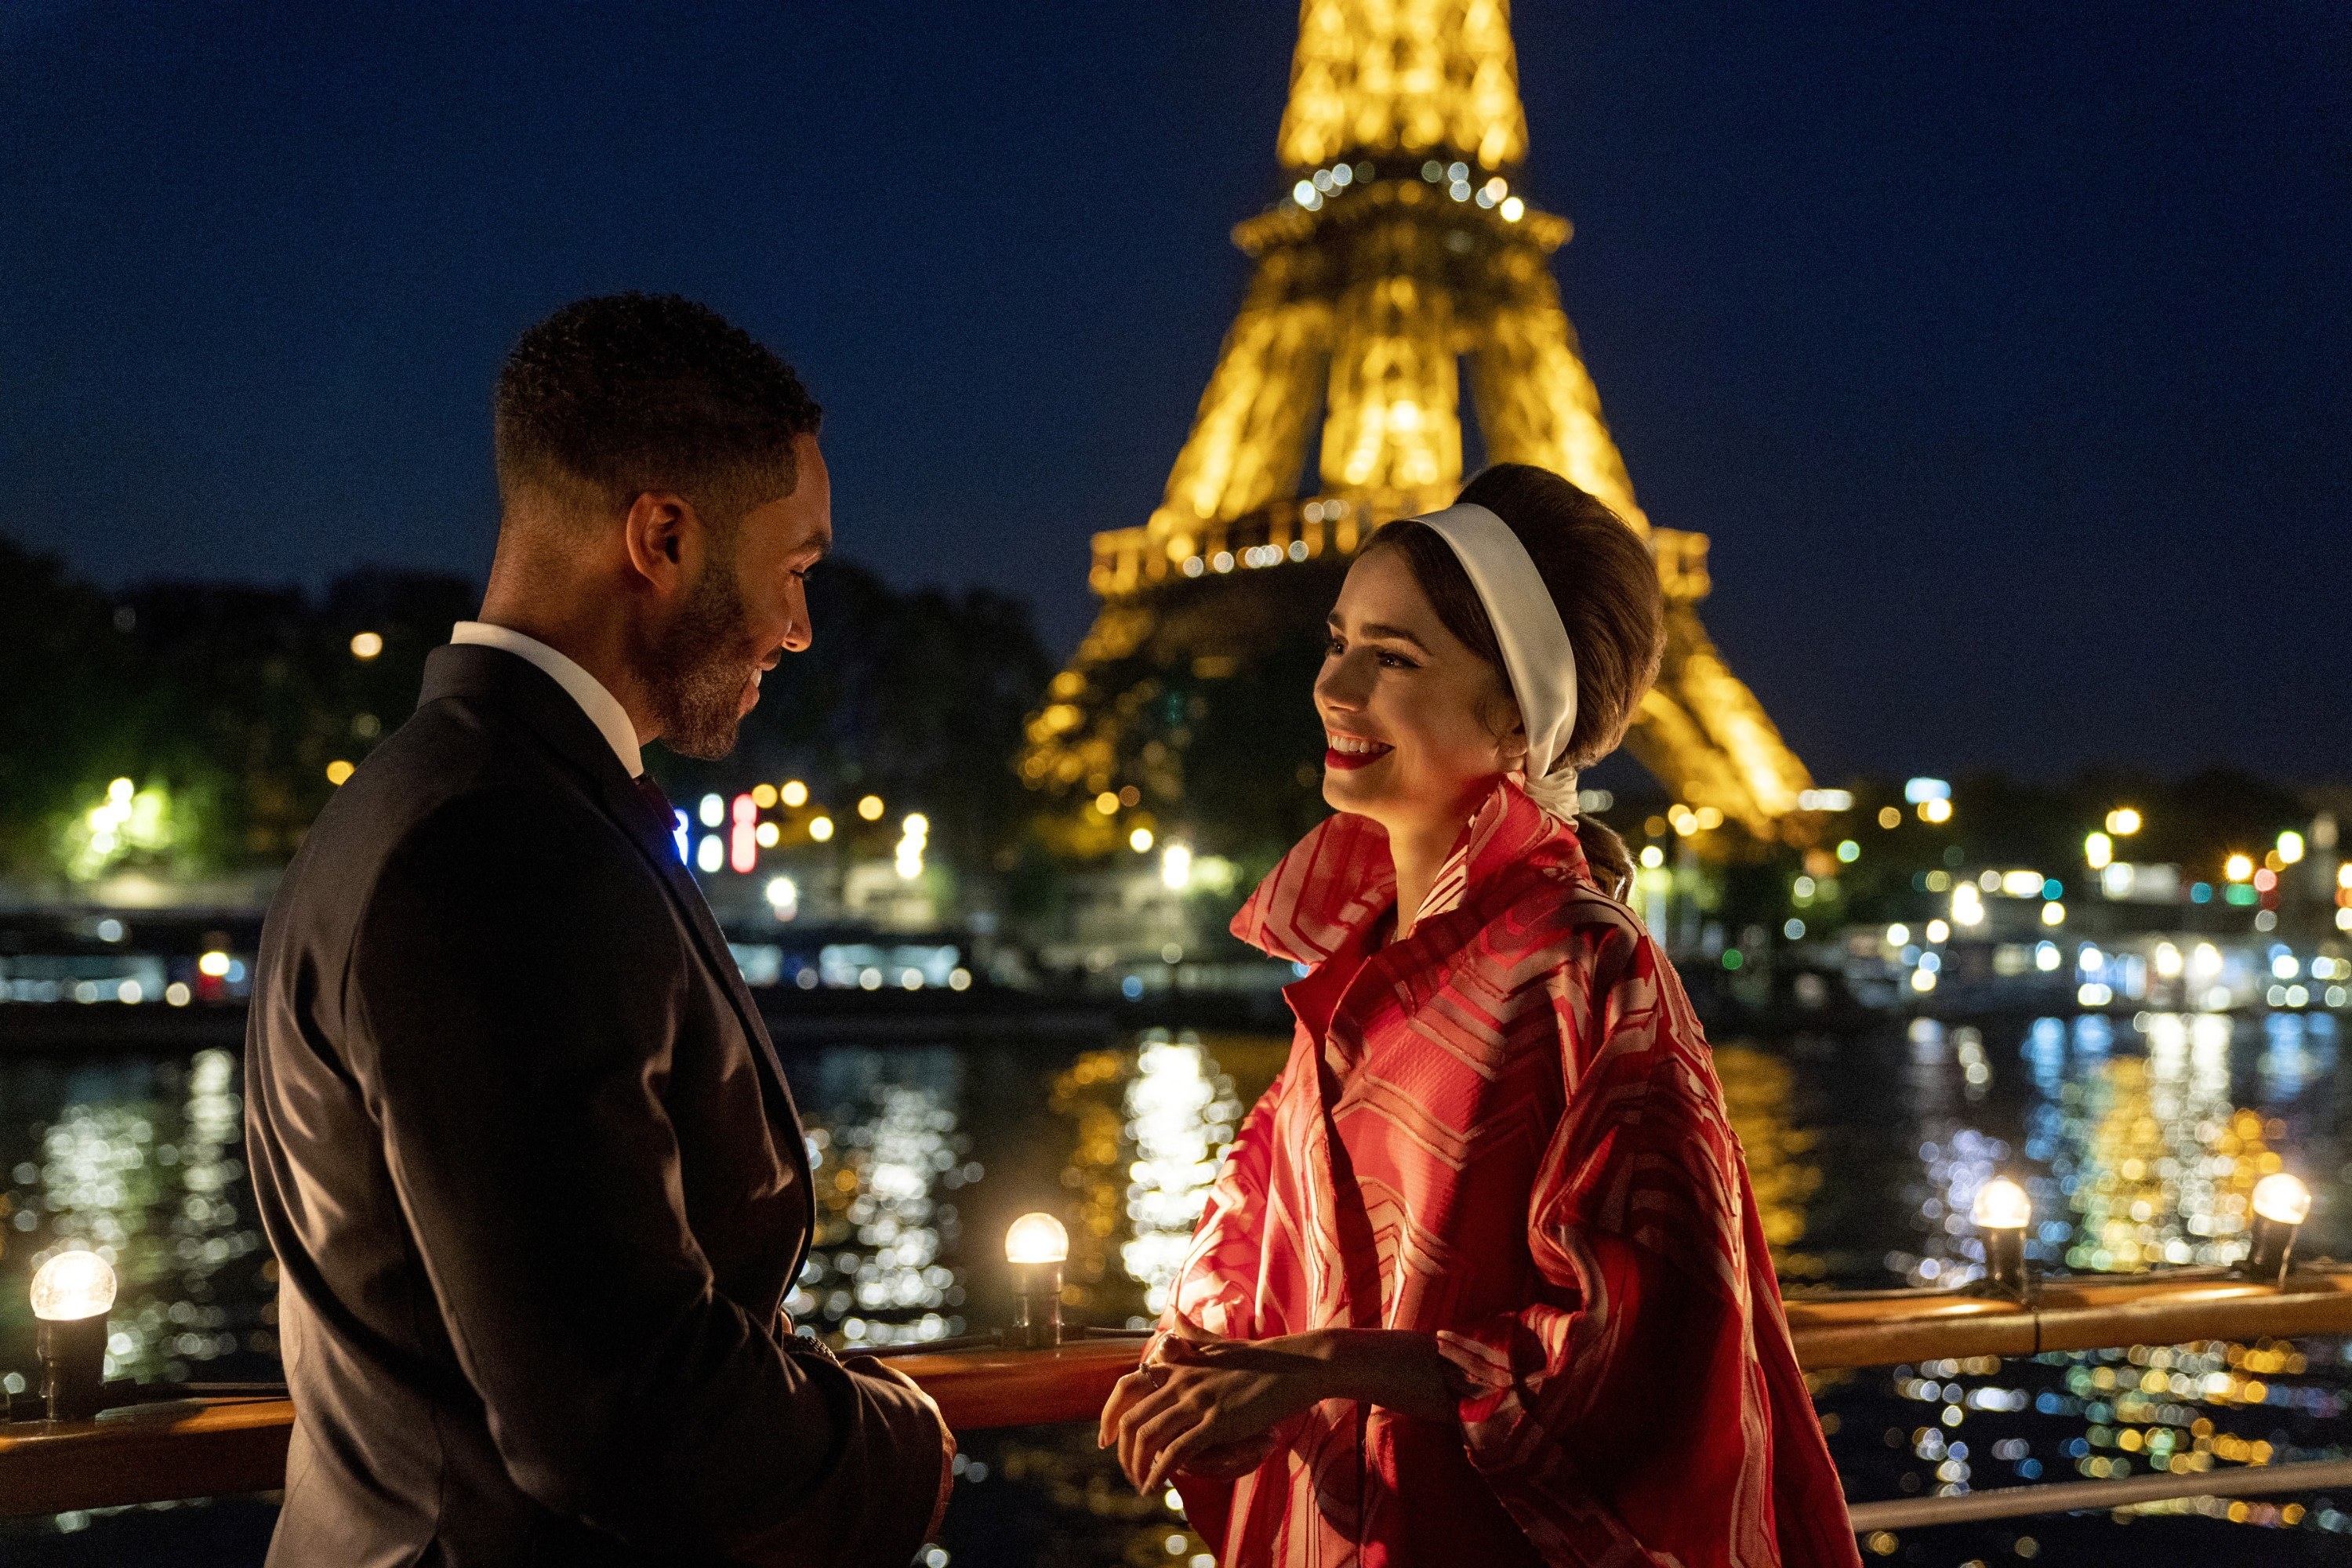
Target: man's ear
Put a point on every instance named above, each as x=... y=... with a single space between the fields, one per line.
x=663 y=537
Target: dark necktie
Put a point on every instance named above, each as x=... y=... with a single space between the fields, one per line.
x=663 y=811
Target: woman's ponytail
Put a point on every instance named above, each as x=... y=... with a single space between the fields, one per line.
x=1610 y=862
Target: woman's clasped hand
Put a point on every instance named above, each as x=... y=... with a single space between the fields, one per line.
x=1215 y=1407
x=1210 y=1406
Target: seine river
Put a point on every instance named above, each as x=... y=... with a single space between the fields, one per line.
x=2138 y=1141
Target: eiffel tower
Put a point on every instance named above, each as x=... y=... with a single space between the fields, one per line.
x=1400 y=251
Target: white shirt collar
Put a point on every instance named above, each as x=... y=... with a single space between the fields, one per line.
x=604 y=710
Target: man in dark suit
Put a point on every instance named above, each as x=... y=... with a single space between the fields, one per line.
x=535 y=1181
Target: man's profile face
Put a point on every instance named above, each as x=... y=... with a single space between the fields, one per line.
x=743 y=615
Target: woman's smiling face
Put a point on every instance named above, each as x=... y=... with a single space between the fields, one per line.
x=1408 y=713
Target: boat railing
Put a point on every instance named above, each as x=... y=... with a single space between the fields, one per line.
x=220 y=1445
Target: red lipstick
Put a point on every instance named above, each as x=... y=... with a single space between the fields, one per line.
x=1348 y=762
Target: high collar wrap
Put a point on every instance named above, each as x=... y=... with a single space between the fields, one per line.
x=1338 y=878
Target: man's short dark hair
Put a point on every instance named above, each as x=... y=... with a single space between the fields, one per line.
x=613 y=396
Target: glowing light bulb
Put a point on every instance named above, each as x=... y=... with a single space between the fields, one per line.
x=365 y=646
x=2280 y=1196
x=2001 y=1204
x=76 y=1285
x=1036 y=1238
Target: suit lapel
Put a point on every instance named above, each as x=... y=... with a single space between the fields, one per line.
x=635 y=815
x=522 y=690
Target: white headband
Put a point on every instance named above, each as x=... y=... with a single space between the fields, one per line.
x=1537 y=655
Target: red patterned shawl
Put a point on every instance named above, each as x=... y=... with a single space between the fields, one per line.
x=1510 y=1128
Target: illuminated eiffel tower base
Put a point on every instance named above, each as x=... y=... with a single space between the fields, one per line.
x=1401 y=252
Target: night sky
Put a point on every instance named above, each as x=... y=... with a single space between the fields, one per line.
x=2002 y=352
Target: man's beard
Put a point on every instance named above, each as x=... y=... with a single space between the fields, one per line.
x=696 y=673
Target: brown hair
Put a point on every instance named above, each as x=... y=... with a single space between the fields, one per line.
x=1602 y=582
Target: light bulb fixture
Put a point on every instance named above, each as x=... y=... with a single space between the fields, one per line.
x=72 y=1293
x=2002 y=1213
x=2281 y=1202
x=1036 y=1247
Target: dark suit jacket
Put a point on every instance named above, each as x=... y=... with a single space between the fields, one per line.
x=536 y=1184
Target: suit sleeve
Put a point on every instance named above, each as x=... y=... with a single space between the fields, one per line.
x=515 y=988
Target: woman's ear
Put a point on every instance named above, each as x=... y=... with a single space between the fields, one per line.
x=1511 y=738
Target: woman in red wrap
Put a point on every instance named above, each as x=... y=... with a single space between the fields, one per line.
x=1481 y=1281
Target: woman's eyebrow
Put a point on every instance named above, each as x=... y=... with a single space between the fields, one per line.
x=1381 y=629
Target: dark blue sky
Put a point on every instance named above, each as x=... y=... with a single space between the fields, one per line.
x=2004 y=356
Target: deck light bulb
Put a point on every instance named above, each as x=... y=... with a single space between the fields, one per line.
x=2001 y=1204
x=2002 y=1213
x=71 y=1295
x=2281 y=1202
x=1036 y=1247
x=76 y=1285
x=2280 y=1196
x=1036 y=1238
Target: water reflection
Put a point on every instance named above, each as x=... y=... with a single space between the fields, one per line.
x=141 y=1162
x=1758 y=1090
x=2139 y=1144
x=2168 y=1168
x=1181 y=1113
x=882 y=1137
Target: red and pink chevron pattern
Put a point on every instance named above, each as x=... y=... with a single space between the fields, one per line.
x=1507 y=1125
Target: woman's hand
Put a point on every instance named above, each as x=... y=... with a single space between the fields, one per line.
x=1209 y=1405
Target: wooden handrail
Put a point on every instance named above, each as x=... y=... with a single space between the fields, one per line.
x=213 y=1448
